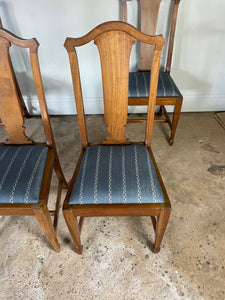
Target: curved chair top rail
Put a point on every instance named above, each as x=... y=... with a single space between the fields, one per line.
x=32 y=44
x=70 y=43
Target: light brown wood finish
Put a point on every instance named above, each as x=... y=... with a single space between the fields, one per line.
x=149 y=18
x=21 y=101
x=11 y=114
x=152 y=94
x=172 y=35
x=13 y=120
x=78 y=95
x=116 y=46
x=73 y=226
x=114 y=41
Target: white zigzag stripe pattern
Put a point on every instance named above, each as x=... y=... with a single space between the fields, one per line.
x=83 y=177
x=124 y=176
x=8 y=169
x=151 y=177
x=137 y=175
x=110 y=175
x=96 y=176
x=32 y=176
x=4 y=153
x=18 y=176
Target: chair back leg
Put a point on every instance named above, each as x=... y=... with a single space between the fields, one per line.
x=176 y=116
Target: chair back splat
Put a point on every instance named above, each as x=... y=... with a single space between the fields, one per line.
x=26 y=166
x=149 y=19
x=21 y=102
x=8 y=94
x=115 y=177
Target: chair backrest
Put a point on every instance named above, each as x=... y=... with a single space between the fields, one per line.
x=114 y=41
x=10 y=110
x=149 y=19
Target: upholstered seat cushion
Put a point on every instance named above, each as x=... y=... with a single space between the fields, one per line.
x=21 y=173
x=139 y=85
x=116 y=174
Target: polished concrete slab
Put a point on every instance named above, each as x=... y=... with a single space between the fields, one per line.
x=117 y=262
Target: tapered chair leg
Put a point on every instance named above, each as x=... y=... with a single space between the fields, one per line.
x=44 y=219
x=154 y=223
x=176 y=116
x=160 y=110
x=161 y=227
x=73 y=227
x=59 y=172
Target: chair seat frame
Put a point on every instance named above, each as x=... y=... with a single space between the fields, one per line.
x=159 y=213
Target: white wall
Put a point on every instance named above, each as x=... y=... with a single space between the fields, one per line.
x=198 y=61
x=199 y=56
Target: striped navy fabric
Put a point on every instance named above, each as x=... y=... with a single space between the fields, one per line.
x=116 y=174
x=139 y=85
x=21 y=173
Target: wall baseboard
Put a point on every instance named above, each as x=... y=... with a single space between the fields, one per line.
x=66 y=106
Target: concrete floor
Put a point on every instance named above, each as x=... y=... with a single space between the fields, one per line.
x=116 y=261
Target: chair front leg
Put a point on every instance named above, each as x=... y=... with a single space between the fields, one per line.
x=43 y=216
x=74 y=229
x=161 y=227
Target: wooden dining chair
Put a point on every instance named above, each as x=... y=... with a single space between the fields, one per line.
x=20 y=97
x=115 y=177
x=26 y=166
x=167 y=92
